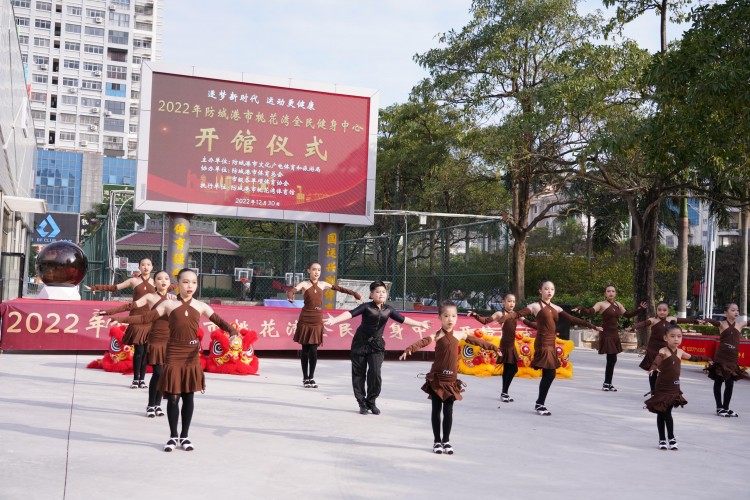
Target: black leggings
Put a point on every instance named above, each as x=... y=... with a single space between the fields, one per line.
x=548 y=376
x=154 y=395
x=727 y=393
x=610 y=369
x=173 y=412
x=139 y=362
x=447 y=407
x=309 y=358
x=509 y=371
x=664 y=419
x=652 y=381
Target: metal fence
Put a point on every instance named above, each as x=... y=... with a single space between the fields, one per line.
x=426 y=258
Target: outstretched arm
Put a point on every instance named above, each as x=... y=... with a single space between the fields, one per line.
x=487 y=346
x=417 y=346
x=482 y=319
x=338 y=319
x=710 y=321
x=641 y=307
x=413 y=322
x=696 y=357
x=141 y=319
x=346 y=291
x=578 y=321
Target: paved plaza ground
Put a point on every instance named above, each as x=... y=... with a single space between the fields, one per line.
x=75 y=433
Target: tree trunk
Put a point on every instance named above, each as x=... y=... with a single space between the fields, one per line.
x=519 y=266
x=682 y=255
x=645 y=266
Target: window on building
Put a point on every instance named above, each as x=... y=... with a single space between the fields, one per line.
x=117 y=72
x=71 y=63
x=111 y=141
x=40 y=42
x=69 y=99
x=88 y=120
x=73 y=46
x=39 y=78
x=136 y=77
x=91 y=102
x=119 y=19
x=143 y=43
x=133 y=110
x=91 y=66
x=41 y=60
x=143 y=26
x=72 y=28
x=23 y=21
x=140 y=59
x=39 y=97
x=44 y=6
x=74 y=10
x=93 y=49
x=70 y=82
x=132 y=145
x=23 y=39
x=39 y=133
x=120 y=37
x=121 y=3
x=135 y=94
x=25 y=58
x=89 y=137
x=22 y=3
x=115 y=107
x=116 y=89
x=144 y=9
x=133 y=128
x=42 y=24
x=114 y=125
x=91 y=85
x=37 y=114
x=94 y=31
x=67 y=118
x=94 y=13
x=67 y=136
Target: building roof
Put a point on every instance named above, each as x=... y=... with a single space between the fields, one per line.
x=207 y=240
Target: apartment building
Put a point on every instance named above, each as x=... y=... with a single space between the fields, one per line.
x=83 y=61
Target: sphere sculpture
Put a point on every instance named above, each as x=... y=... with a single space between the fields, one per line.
x=62 y=264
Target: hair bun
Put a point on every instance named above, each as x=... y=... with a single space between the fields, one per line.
x=673 y=322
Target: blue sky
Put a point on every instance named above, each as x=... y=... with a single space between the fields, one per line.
x=362 y=43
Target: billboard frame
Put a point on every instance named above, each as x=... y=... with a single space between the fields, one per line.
x=142 y=204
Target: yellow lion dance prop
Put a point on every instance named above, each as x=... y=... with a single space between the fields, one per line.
x=474 y=360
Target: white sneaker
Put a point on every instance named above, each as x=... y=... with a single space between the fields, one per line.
x=542 y=410
x=171 y=444
x=447 y=449
x=437 y=448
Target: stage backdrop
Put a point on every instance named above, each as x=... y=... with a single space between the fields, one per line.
x=241 y=145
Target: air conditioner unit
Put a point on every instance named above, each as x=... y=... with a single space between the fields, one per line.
x=97 y=73
x=98 y=20
x=94 y=110
x=84 y=143
x=43 y=66
x=111 y=7
x=72 y=90
x=94 y=128
x=107 y=113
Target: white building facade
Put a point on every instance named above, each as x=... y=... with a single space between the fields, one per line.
x=84 y=59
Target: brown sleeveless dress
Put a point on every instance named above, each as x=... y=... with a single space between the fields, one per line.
x=609 y=339
x=310 y=324
x=158 y=337
x=442 y=379
x=182 y=366
x=545 y=356
x=726 y=359
x=667 y=393
x=508 y=338
x=655 y=344
x=138 y=334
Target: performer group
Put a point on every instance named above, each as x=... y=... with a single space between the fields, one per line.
x=164 y=330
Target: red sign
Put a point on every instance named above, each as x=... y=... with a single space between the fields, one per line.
x=255 y=147
x=32 y=324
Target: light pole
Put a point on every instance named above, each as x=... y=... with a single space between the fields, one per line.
x=114 y=216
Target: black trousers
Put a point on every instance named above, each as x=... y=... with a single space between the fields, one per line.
x=366 y=366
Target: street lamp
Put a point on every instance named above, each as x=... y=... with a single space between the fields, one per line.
x=114 y=216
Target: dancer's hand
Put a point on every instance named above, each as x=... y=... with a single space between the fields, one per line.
x=99 y=312
x=403 y=355
x=599 y=329
x=88 y=288
x=643 y=305
x=425 y=325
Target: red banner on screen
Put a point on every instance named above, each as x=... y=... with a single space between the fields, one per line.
x=236 y=144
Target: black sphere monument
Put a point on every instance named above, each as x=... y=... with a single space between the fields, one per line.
x=61 y=266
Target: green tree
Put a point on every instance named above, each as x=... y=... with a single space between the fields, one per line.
x=530 y=71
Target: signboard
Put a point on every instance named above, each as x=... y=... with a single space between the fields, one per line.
x=239 y=145
x=123 y=193
x=52 y=227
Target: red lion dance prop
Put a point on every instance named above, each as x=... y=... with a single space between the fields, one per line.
x=119 y=358
x=233 y=357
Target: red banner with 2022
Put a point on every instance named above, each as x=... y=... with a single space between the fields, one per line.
x=47 y=325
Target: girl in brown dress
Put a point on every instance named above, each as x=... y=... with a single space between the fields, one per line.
x=668 y=394
x=545 y=356
x=310 y=328
x=726 y=368
x=656 y=342
x=157 y=337
x=507 y=341
x=182 y=375
x=135 y=335
x=609 y=340
x=441 y=382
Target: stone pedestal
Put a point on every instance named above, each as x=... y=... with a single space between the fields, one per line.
x=59 y=293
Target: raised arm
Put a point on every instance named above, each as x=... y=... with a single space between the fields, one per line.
x=291 y=291
x=417 y=346
x=586 y=311
x=514 y=314
x=220 y=322
x=578 y=321
x=482 y=319
x=487 y=346
x=141 y=319
x=346 y=291
x=641 y=307
x=338 y=319
x=710 y=321
x=121 y=308
x=696 y=357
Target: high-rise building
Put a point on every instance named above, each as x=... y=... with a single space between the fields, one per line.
x=84 y=59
